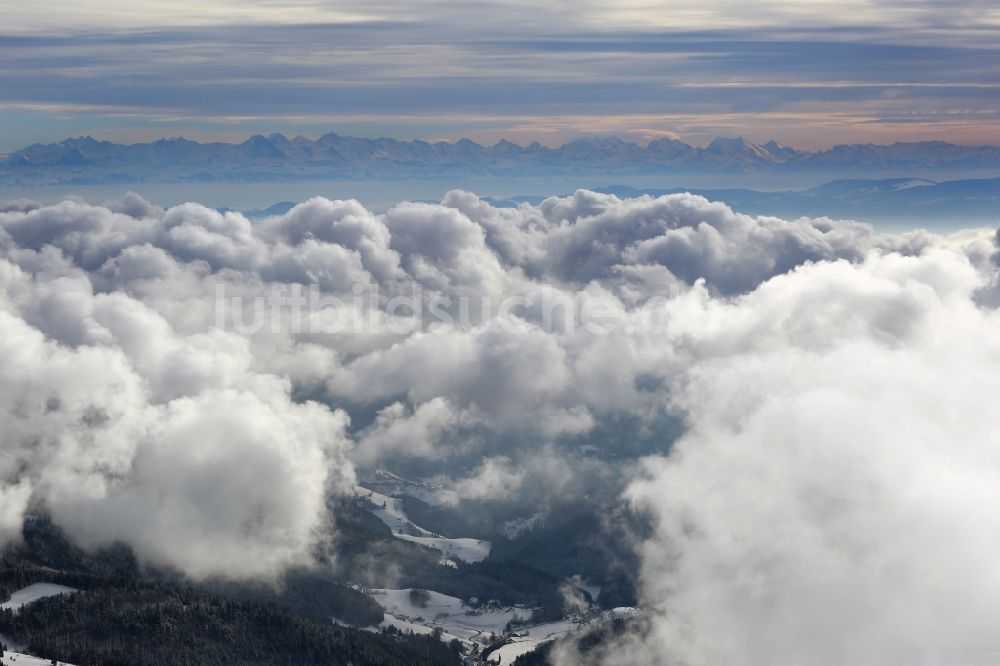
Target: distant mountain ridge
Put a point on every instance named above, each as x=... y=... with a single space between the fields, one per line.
x=276 y=157
x=952 y=203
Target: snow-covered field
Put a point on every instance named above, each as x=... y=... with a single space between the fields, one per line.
x=34 y=593
x=21 y=598
x=18 y=659
x=390 y=511
x=449 y=614
x=534 y=636
x=527 y=639
x=467 y=550
x=456 y=620
x=388 y=483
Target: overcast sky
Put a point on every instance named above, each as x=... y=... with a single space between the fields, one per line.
x=810 y=74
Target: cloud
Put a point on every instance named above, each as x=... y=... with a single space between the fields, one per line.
x=572 y=592
x=831 y=500
x=237 y=481
x=345 y=225
x=134 y=206
x=125 y=430
x=400 y=431
x=592 y=236
x=495 y=478
x=196 y=386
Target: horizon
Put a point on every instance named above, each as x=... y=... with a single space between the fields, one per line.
x=314 y=136
x=258 y=171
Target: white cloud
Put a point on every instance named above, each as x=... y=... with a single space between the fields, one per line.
x=833 y=501
x=123 y=399
x=495 y=478
x=401 y=432
x=236 y=480
x=126 y=430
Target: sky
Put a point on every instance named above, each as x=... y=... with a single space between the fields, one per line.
x=810 y=74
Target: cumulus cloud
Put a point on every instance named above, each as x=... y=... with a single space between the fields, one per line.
x=832 y=501
x=237 y=482
x=125 y=430
x=134 y=206
x=196 y=385
x=590 y=236
x=399 y=431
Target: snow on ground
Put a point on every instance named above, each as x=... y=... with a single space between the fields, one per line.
x=390 y=511
x=532 y=638
x=388 y=483
x=399 y=623
x=17 y=600
x=527 y=639
x=18 y=659
x=406 y=626
x=468 y=550
x=34 y=593
x=449 y=614
x=620 y=613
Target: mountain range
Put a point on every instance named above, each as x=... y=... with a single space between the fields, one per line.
x=266 y=158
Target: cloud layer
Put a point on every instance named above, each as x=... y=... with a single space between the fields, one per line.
x=829 y=500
